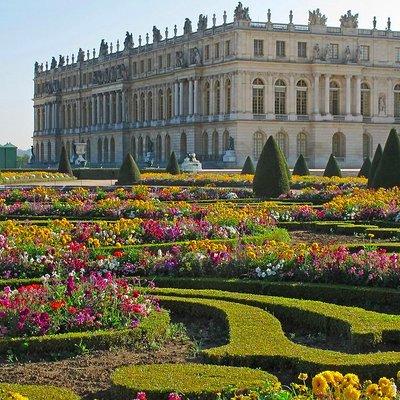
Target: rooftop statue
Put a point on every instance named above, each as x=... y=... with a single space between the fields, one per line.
x=103 y=48
x=349 y=20
x=315 y=17
x=202 y=24
x=81 y=55
x=156 y=35
x=37 y=68
x=61 y=61
x=128 y=42
x=53 y=64
x=241 y=13
x=187 y=28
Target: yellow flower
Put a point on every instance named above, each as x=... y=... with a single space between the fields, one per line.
x=320 y=385
x=351 y=379
x=351 y=393
x=387 y=387
x=372 y=390
x=16 y=396
x=303 y=376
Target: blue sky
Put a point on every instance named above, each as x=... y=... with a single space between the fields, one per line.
x=32 y=30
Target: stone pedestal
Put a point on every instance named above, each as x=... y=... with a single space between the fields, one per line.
x=229 y=156
x=191 y=164
x=80 y=150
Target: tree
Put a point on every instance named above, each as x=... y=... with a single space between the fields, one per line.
x=301 y=167
x=173 y=166
x=374 y=165
x=271 y=177
x=365 y=169
x=64 y=165
x=332 y=168
x=248 y=167
x=129 y=172
x=388 y=172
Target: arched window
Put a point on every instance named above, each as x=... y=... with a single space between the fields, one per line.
x=365 y=100
x=367 y=145
x=283 y=142
x=167 y=148
x=225 y=141
x=49 y=151
x=339 y=145
x=258 y=143
x=204 y=146
x=160 y=104
x=215 y=145
x=68 y=148
x=302 y=144
x=301 y=98
x=207 y=99
x=149 y=106
x=99 y=151
x=142 y=108
x=135 y=108
x=149 y=145
x=258 y=97
x=217 y=98
x=37 y=152
x=84 y=114
x=169 y=103
x=334 y=105
x=397 y=101
x=112 y=150
x=280 y=97
x=42 y=152
x=140 y=148
x=183 y=146
x=158 y=148
x=133 y=147
x=228 y=98
x=106 y=153
x=88 y=151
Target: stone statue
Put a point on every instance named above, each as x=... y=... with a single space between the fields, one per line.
x=347 y=54
x=202 y=24
x=389 y=23
x=33 y=157
x=374 y=23
x=61 y=61
x=53 y=64
x=231 y=143
x=156 y=35
x=358 y=54
x=225 y=17
x=187 y=28
x=128 y=42
x=81 y=55
x=241 y=13
x=316 y=18
x=349 y=20
x=196 y=56
x=103 y=48
x=36 y=68
x=291 y=17
x=179 y=59
x=269 y=15
x=317 y=55
x=382 y=104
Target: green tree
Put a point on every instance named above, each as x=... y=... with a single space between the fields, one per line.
x=365 y=169
x=332 y=168
x=64 y=165
x=173 y=166
x=129 y=172
x=301 y=167
x=374 y=165
x=388 y=171
x=271 y=178
x=248 y=167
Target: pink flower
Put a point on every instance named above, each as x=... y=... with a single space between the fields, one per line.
x=174 y=396
x=141 y=396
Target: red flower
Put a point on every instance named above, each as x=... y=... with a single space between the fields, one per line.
x=57 y=304
x=118 y=253
x=141 y=396
x=136 y=294
x=72 y=310
x=100 y=257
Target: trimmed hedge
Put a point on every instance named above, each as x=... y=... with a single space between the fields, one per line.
x=374 y=165
x=248 y=167
x=365 y=169
x=332 y=168
x=173 y=166
x=129 y=172
x=301 y=167
x=64 y=165
x=190 y=380
x=36 y=392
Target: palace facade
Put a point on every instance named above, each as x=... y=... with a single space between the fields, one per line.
x=317 y=89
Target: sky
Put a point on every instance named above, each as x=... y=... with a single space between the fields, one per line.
x=37 y=30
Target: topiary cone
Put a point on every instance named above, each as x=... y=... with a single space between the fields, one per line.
x=332 y=168
x=271 y=177
x=365 y=169
x=173 y=166
x=129 y=172
x=301 y=167
x=248 y=167
x=64 y=165
x=388 y=171
x=374 y=165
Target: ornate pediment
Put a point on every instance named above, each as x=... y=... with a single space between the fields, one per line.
x=315 y=17
x=349 y=20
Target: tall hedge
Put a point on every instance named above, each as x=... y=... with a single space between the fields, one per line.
x=271 y=178
x=301 y=167
x=388 y=171
x=332 y=168
x=365 y=169
x=374 y=165
x=173 y=166
x=248 y=167
x=64 y=165
x=129 y=172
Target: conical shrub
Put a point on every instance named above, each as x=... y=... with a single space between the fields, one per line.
x=248 y=167
x=173 y=166
x=332 y=168
x=271 y=177
x=64 y=165
x=388 y=172
x=374 y=165
x=129 y=172
x=301 y=167
x=365 y=168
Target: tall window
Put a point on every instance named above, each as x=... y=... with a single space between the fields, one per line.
x=140 y=148
x=283 y=142
x=280 y=97
x=367 y=145
x=142 y=108
x=364 y=53
x=183 y=146
x=258 y=48
x=258 y=143
x=217 y=98
x=160 y=61
x=339 y=145
x=301 y=98
x=216 y=50
x=302 y=144
x=215 y=145
x=280 y=48
x=169 y=104
x=133 y=147
x=204 y=144
x=227 y=48
x=148 y=64
x=160 y=104
x=228 y=98
x=334 y=51
x=302 y=49
x=207 y=52
x=225 y=141
x=149 y=106
x=258 y=96
x=397 y=54
x=169 y=60
x=365 y=100
x=397 y=100
x=207 y=99
x=334 y=108
x=167 y=148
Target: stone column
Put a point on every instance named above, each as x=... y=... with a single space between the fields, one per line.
x=316 y=94
x=55 y=115
x=222 y=97
x=176 y=99
x=93 y=110
x=270 y=95
x=118 y=107
x=190 y=97
x=104 y=119
x=292 y=98
x=327 y=88
x=45 y=117
x=348 y=95
x=123 y=111
x=181 y=87
x=78 y=113
x=212 y=98
x=358 y=95
x=111 y=108
x=196 y=97
x=98 y=110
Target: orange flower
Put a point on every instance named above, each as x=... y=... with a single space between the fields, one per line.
x=57 y=304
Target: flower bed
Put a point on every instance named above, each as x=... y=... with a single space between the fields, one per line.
x=34 y=392
x=7 y=178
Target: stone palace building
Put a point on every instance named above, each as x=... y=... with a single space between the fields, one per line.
x=317 y=89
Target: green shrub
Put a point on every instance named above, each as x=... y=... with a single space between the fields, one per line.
x=36 y=392
x=248 y=167
x=332 y=168
x=271 y=177
x=365 y=169
x=301 y=167
x=64 y=165
x=388 y=172
x=374 y=165
x=129 y=172
x=190 y=380
x=173 y=166
x=96 y=173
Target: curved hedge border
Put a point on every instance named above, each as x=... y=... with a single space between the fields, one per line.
x=257 y=339
x=152 y=328
x=191 y=380
x=36 y=392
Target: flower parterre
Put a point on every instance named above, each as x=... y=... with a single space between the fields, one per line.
x=32 y=176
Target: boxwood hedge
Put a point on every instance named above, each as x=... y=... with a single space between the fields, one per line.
x=35 y=392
